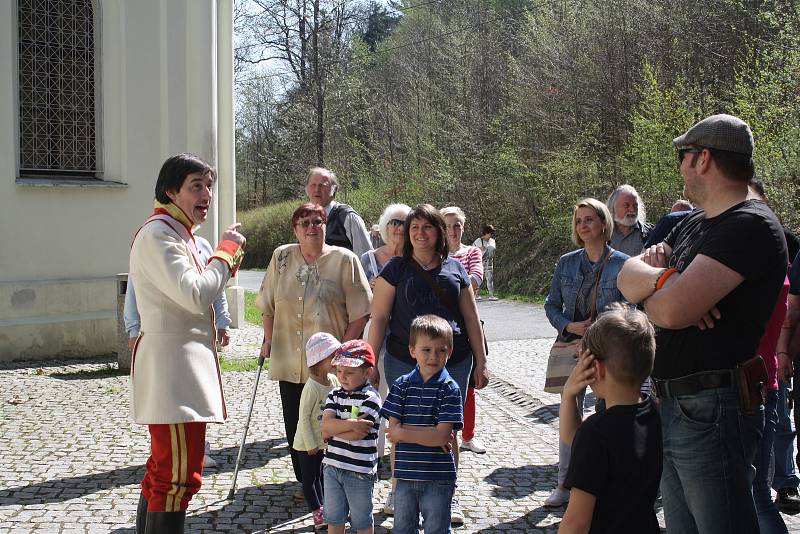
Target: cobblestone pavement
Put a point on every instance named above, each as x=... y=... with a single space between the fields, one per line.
x=72 y=460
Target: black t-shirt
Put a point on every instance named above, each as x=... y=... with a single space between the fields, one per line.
x=617 y=457
x=414 y=297
x=748 y=239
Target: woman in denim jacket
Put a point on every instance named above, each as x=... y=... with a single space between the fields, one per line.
x=569 y=301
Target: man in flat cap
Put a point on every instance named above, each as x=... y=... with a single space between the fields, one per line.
x=710 y=288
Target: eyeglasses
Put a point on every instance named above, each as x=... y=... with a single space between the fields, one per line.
x=397 y=222
x=305 y=223
x=683 y=151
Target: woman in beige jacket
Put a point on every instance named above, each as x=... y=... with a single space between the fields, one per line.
x=309 y=287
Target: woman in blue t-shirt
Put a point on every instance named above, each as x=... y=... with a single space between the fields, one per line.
x=425 y=281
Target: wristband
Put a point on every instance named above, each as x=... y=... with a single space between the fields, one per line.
x=662 y=278
x=783 y=352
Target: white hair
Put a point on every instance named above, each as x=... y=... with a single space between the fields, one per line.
x=386 y=216
x=627 y=188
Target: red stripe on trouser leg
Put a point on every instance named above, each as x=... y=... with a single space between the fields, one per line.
x=469 y=416
x=174 y=471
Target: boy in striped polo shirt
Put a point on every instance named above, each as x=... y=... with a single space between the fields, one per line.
x=350 y=425
x=424 y=409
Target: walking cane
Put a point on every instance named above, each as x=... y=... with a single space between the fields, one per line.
x=246 y=426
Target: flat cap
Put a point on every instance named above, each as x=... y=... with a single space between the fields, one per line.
x=723 y=132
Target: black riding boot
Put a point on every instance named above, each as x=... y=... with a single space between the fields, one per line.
x=165 y=522
x=141 y=515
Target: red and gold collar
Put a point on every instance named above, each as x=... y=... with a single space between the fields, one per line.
x=175 y=212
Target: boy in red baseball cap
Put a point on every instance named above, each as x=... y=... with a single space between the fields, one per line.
x=350 y=423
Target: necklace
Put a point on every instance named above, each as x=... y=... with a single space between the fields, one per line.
x=426 y=266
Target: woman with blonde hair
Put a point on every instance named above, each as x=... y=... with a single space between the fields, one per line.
x=584 y=284
x=472 y=259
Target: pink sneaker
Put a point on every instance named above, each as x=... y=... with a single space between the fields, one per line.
x=319 y=519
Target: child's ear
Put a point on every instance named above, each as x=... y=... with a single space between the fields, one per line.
x=599 y=368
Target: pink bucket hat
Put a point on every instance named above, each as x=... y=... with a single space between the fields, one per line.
x=320 y=346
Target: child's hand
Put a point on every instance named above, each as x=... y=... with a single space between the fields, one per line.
x=393 y=433
x=581 y=376
x=361 y=427
x=313 y=451
x=450 y=444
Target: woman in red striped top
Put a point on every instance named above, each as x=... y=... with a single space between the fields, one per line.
x=471 y=258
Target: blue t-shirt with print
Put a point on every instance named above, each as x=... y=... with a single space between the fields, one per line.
x=414 y=297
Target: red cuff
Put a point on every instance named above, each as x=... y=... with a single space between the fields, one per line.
x=229 y=253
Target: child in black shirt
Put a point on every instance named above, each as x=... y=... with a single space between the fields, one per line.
x=616 y=461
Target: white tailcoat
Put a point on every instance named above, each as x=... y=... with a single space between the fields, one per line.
x=175 y=374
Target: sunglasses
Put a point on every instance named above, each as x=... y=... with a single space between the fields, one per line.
x=305 y=223
x=397 y=222
x=683 y=151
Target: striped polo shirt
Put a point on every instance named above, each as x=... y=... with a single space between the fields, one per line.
x=418 y=403
x=360 y=456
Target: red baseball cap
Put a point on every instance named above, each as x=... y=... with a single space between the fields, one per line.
x=354 y=353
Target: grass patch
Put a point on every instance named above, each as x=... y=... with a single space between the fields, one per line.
x=251 y=314
x=240 y=365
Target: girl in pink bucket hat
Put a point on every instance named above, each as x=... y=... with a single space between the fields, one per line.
x=308 y=442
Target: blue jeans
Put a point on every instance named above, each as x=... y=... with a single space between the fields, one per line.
x=431 y=498
x=348 y=492
x=785 y=475
x=709 y=448
x=769 y=518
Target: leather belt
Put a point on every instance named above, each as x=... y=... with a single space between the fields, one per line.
x=693 y=384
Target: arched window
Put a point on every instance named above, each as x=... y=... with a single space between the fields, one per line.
x=57 y=89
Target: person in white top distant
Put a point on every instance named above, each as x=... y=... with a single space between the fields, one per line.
x=487 y=245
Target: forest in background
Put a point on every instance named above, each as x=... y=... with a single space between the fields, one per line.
x=510 y=109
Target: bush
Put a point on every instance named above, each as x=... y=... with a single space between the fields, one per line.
x=266 y=229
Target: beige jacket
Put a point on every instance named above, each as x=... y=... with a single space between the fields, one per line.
x=175 y=374
x=305 y=299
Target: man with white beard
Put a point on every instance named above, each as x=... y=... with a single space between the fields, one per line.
x=630 y=226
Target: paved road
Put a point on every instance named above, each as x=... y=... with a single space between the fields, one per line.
x=504 y=320
x=72 y=461
x=251 y=280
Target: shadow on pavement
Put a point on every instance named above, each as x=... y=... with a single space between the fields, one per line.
x=253 y=509
x=517 y=482
x=545 y=414
x=59 y=490
x=546 y=519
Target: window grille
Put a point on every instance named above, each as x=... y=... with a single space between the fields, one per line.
x=57 y=114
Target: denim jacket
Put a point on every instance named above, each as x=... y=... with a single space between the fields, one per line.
x=567 y=279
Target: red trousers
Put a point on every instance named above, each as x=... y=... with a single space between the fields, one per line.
x=469 y=416
x=174 y=471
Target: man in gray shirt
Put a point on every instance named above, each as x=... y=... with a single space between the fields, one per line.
x=630 y=220
x=345 y=227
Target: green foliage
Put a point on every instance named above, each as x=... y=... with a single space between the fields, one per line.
x=266 y=229
x=648 y=157
x=514 y=112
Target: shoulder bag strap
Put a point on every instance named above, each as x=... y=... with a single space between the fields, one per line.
x=593 y=312
x=372 y=262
